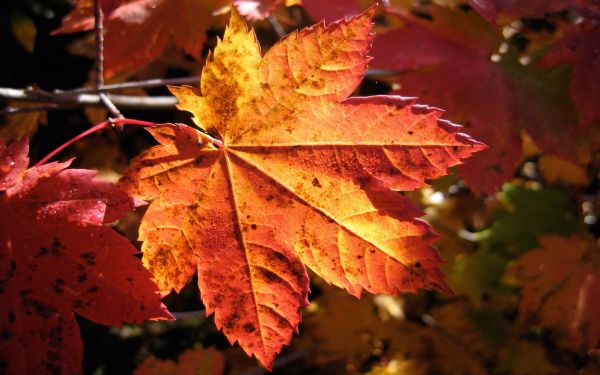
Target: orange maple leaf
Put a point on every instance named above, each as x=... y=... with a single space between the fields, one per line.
x=138 y=31
x=303 y=176
x=562 y=289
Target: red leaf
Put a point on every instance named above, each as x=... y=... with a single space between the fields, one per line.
x=447 y=62
x=450 y=68
x=581 y=49
x=138 y=31
x=333 y=9
x=329 y=10
x=191 y=362
x=562 y=289
x=57 y=259
x=493 y=9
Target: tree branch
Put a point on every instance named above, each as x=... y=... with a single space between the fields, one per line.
x=67 y=100
x=155 y=82
x=99 y=36
x=85 y=96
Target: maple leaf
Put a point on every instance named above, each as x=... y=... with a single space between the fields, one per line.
x=191 y=362
x=18 y=125
x=319 y=10
x=447 y=62
x=562 y=288
x=580 y=49
x=335 y=9
x=527 y=214
x=304 y=176
x=138 y=31
x=56 y=259
x=511 y=9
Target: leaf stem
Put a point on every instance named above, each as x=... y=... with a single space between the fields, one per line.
x=117 y=123
x=110 y=123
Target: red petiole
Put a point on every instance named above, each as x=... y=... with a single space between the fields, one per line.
x=112 y=123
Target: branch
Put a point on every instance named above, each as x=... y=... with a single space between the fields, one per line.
x=279 y=30
x=99 y=35
x=65 y=99
x=155 y=82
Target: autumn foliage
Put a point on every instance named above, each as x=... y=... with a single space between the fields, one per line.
x=418 y=180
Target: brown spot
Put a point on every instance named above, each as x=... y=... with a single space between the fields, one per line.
x=249 y=327
x=5 y=335
x=232 y=321
x=93 y=289
x=58 y=284
x=253 y=226
x=89 y=258
x=316 y=183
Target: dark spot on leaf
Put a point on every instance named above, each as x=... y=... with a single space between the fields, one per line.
x=89 y=258
x=41 y=252
x=231 y=321
x=58 y=284
x=249 y=327
x=253 y=226
x=5 y=335
x=316 y=183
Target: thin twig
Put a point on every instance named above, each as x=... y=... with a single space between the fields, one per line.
x=279 y=30
x=191 y=80
x=112 y=108
x=37 y=108
x=65 y=99
x=155 y=82
x=99 y=35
